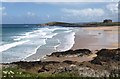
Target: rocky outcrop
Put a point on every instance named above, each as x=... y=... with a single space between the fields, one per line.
x=107 y=55
x=110 y=60
x=79 y=52
x=107 y=63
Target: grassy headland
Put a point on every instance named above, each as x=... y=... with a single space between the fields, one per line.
x=91 y=24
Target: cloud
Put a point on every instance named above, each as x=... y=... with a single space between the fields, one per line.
x=2 y=8
x=86 y=14
x=48 y=16
x=113 y=7
x=89 y=12
x=2 y=11
x=30 y=14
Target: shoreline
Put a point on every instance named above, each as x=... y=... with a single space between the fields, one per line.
x=93 y=42
x=85 y=38
x=57 y=48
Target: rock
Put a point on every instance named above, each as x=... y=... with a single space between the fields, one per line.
x=89 y=72
x=107 y=55
x=43 y=69
x=69 y=62
x=82 y=52
x=78 y=52
x=66 y=69
x=106 y=63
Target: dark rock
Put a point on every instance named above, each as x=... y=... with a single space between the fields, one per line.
x=107 y=55
x=79 y=52
x=43 y=69
x=69 y=62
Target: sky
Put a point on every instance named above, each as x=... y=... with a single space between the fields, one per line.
x=42 y=12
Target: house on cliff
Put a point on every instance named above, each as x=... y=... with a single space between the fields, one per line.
x=107 y=21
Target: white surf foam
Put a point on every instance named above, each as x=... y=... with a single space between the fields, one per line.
x=41 y=32
x=43 y=43
x=67 y=43
x=30 y=35
x=36 y=39
x=8 y=46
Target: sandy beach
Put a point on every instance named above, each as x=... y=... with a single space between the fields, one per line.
x=97 y=38
x=92 y=38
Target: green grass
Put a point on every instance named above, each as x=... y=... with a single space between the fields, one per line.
x=106 y=24
x=14 y=73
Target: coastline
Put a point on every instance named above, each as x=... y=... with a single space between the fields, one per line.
x=88 y=39
x=65 y=43
x=82 y=58
x=85 y=38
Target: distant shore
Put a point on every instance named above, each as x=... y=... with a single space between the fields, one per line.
x=89 y=24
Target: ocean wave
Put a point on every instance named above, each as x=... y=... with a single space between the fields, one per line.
x=35 y=50
x=41 y=38
x=41 y=32
x=67 y=43
x=29 y=35
x=8 y=46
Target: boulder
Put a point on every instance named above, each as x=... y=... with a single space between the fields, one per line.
x=107 y=55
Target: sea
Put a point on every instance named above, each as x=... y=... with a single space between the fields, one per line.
x=21 y=41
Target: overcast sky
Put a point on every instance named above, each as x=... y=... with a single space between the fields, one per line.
x=39 y=12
